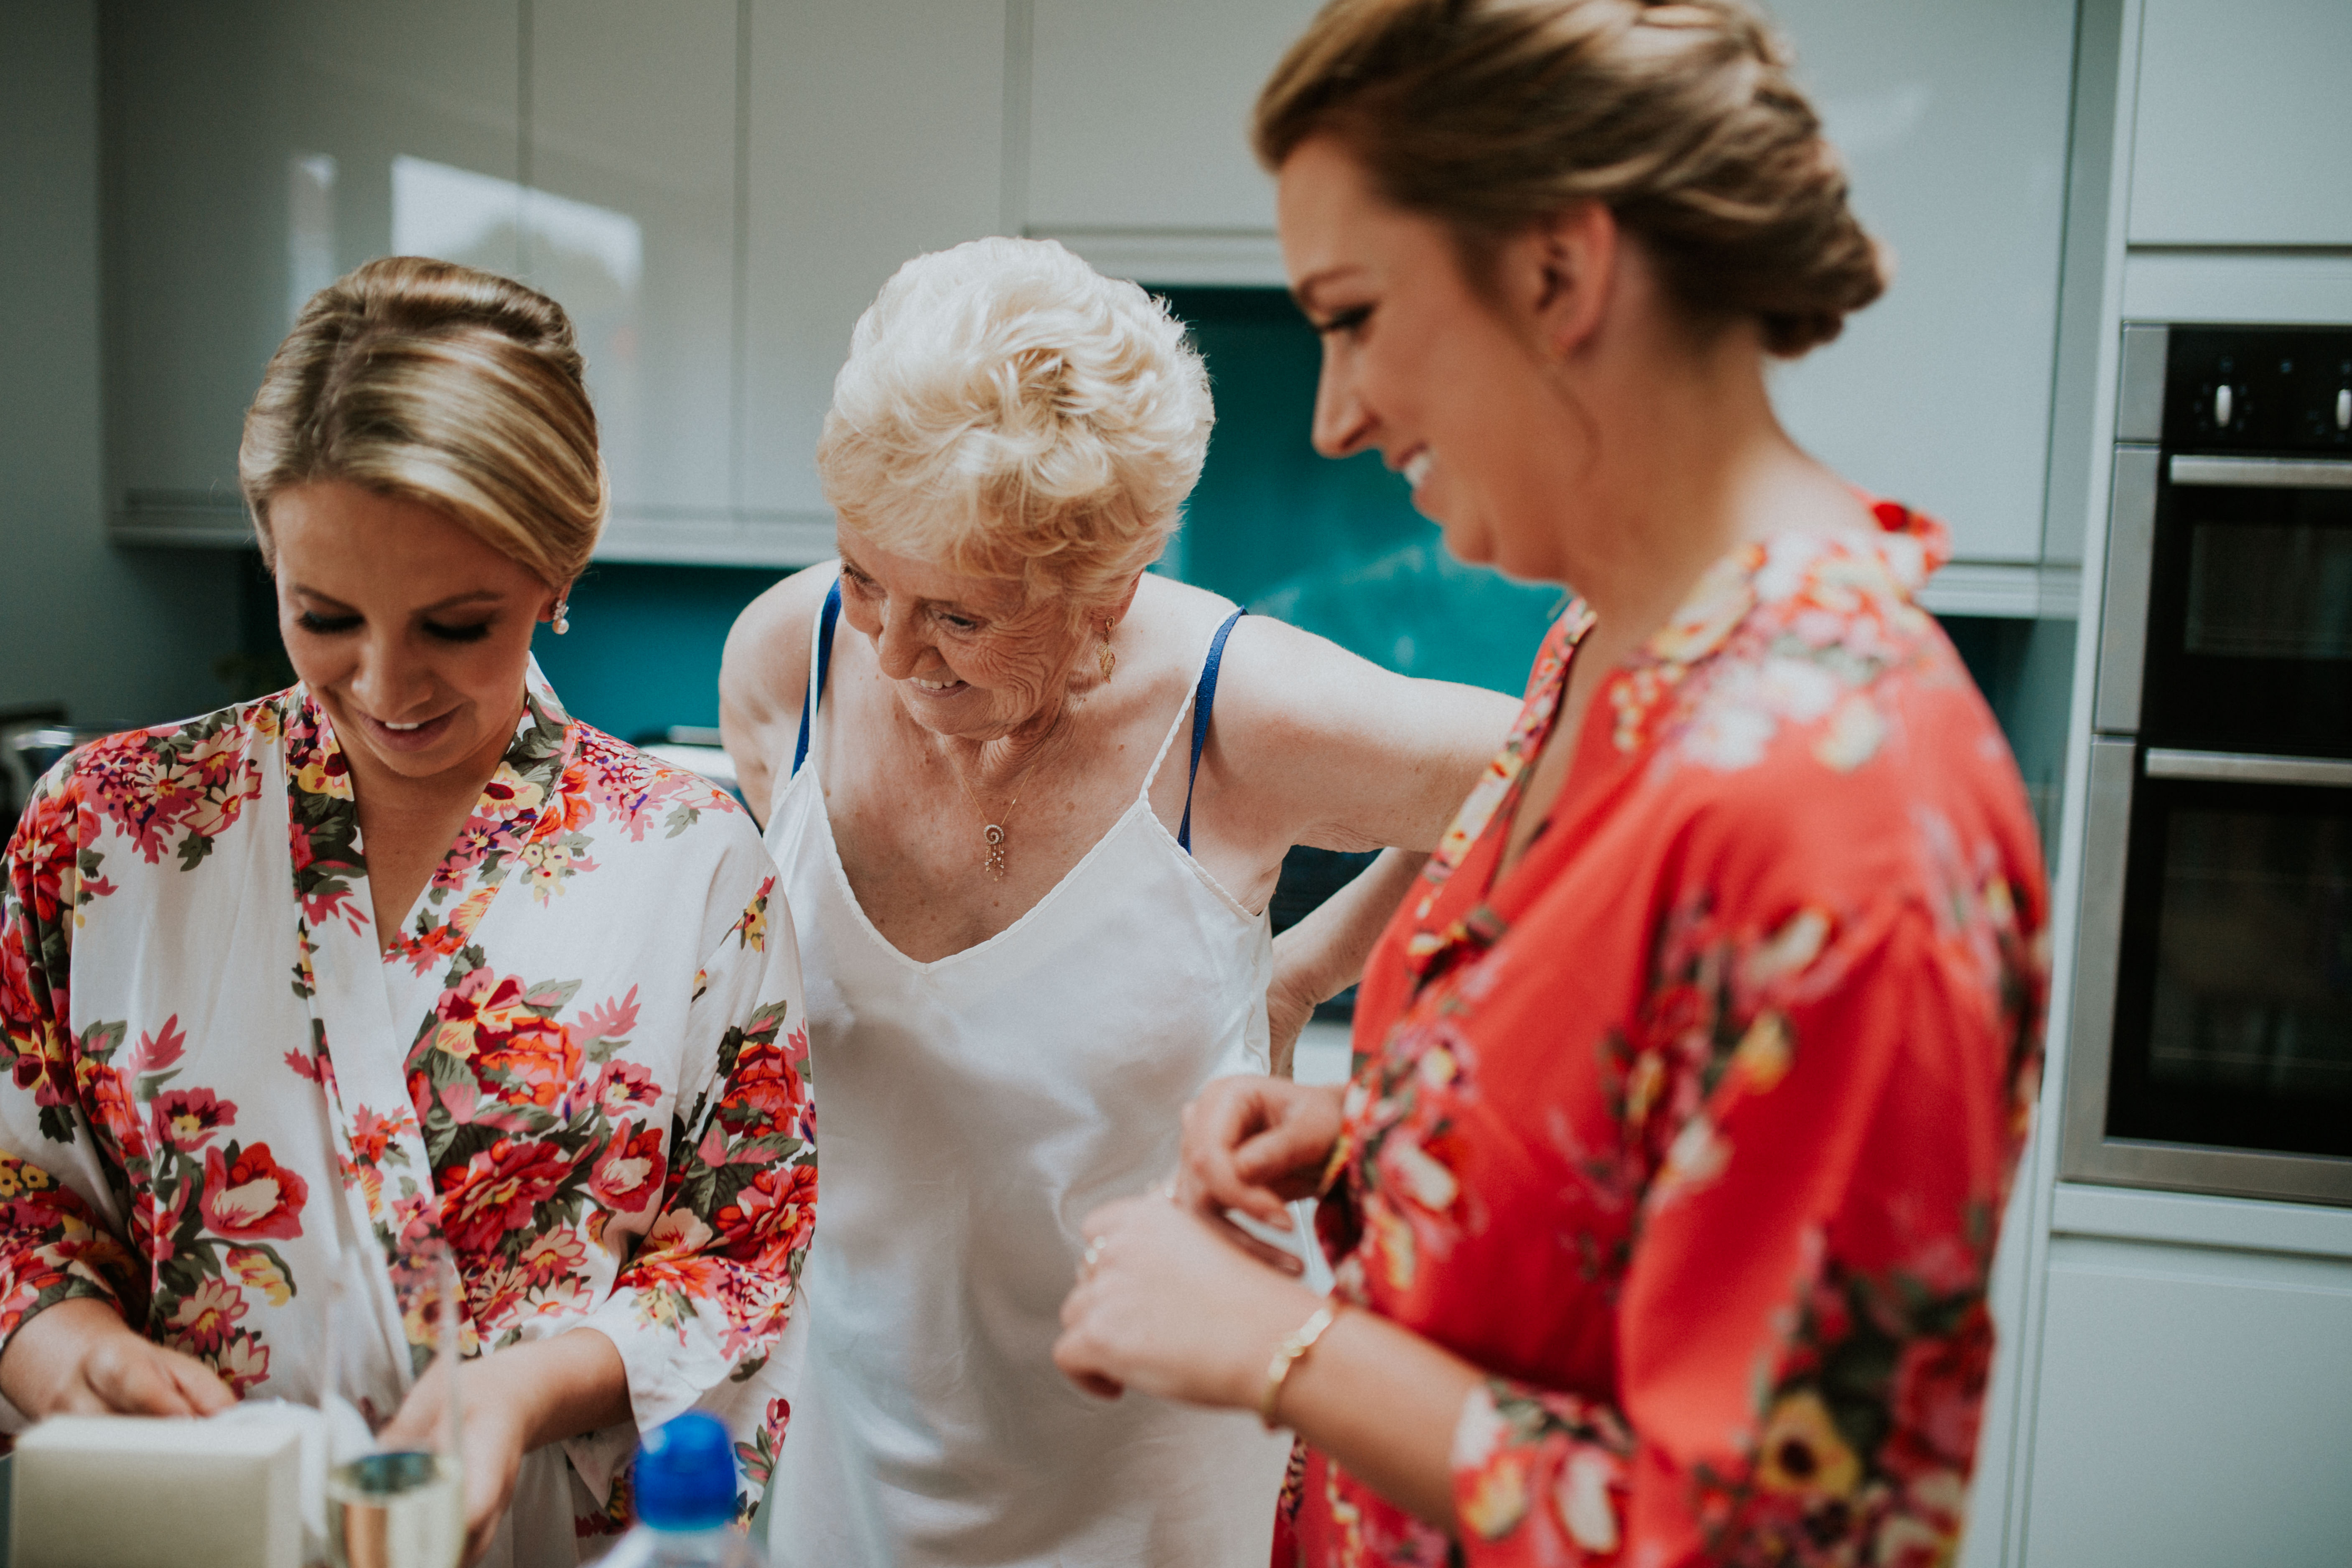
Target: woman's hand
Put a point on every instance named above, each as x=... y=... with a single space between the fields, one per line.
x=1170 y=1308
x=78 y=1358
x=1254 y=1145
x=491 y=1440
x=509 y=1404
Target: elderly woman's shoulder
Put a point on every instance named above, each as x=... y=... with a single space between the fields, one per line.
x=765 y=665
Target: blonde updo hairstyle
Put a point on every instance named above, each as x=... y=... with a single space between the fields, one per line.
x=442 y=385
x=1682 y=119
x=1007 y=411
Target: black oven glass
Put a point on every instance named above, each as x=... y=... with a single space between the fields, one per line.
x=2237 y=969
x=2265 y=590
x=2250 y=621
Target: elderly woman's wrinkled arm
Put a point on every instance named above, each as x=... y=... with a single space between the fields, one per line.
x=762 y=678
x=1324 y=954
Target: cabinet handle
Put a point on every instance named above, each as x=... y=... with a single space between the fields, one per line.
x=2240 y=767
x=2264 y=473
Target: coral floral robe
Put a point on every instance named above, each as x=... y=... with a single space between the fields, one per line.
x=580 y=1064
x=1693 y=1130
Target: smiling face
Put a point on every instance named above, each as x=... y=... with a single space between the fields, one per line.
x=412 y=633
x=1444 y=382
x=970 y=655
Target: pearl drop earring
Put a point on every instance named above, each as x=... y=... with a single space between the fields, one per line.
x=562 y=614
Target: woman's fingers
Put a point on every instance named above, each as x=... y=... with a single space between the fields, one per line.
x=1265 y=1252
x=1229 y=1113
x=129 y=1376
x=198 y=1384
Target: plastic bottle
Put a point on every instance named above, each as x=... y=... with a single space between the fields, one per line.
x=685 y=1482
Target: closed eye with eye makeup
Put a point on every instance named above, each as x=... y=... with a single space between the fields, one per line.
x=327 y=626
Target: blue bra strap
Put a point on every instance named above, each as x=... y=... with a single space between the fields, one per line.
x=1202 y=700
x=823 y=664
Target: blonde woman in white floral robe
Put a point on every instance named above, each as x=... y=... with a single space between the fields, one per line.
x=403 y=963
x=588 y=1087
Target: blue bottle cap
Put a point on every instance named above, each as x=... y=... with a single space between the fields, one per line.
x=686 y=1474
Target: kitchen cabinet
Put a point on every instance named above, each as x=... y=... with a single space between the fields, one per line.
x=2241 y=136
x=876 y=133
x=2195 y=1406
x=628 y=214
x=1138 y=112
x=1953 y=123
x=249 y=158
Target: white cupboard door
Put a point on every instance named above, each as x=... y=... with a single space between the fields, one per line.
x=876 y=133
x=2243 y=134
x=1952 y=120
x=252 y=148
x=1138 y=112
x=629 y=222
x=2195 y=1408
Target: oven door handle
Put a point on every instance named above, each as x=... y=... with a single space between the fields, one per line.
x=2264 y=473
x=2243 y=767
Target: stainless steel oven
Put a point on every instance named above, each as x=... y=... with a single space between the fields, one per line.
x=2211 y=1047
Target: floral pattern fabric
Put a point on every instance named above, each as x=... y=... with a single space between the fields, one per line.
x=1694 y=1129
x=580 y=1068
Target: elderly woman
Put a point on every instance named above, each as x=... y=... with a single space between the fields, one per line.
x=1032 y=803
x=543 y=1016
x=1691 y=1079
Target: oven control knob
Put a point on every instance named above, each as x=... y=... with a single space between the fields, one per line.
x=2222 y=398
x=2344 y=408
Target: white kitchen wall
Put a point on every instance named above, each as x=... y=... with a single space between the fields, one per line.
x=115 y=636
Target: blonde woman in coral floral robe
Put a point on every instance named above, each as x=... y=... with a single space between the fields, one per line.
x=580 y=1064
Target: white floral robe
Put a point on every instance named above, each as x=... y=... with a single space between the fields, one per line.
x=581 y=1065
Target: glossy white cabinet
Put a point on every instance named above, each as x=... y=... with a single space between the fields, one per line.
x=876 y=133
x=250 y=150
x=1952 y=118
x=1138 y=112
x=2243 y=134
x=2195 y=1408
x=629 y=222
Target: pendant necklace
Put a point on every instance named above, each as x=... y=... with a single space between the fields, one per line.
x=992 y=833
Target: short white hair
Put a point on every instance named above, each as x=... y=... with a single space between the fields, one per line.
x=1007 y=410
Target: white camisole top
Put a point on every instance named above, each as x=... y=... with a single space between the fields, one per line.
x=972 y=1110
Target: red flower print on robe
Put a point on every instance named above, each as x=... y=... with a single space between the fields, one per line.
x=186 y=1119
x=204 y=1316
x=770 y=1217
x=249 y=1196
x=629 y=1172
x=497 y=1190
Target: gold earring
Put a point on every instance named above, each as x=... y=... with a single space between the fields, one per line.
x=1103 y=655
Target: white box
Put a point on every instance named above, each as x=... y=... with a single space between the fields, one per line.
x=133 y=1491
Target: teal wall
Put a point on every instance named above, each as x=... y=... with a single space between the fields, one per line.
x=1335 y=547
x=643 y=651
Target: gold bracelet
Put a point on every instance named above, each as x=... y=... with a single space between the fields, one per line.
x=1289 y=1353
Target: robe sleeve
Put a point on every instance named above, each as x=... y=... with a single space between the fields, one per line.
x=1802 y=1334
x=54 y=1243
x=709 y=1293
